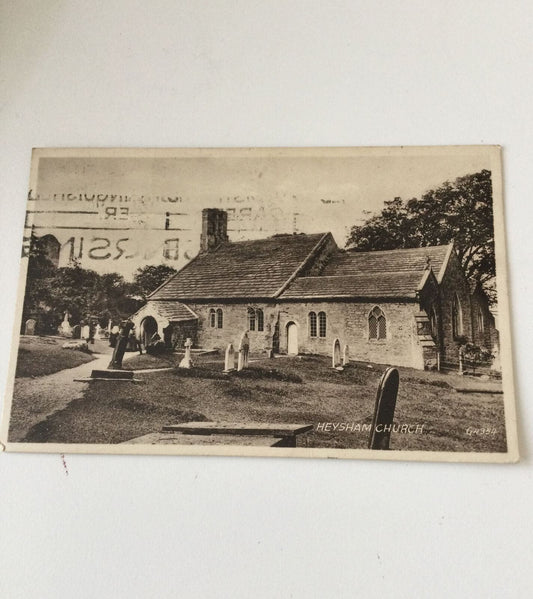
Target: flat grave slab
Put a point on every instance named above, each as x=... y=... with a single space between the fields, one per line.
x=180 y=439
x=232 y=428
x=112 y=374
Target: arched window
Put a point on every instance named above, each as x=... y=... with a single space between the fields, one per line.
x=260 y=319
x=433 y=323
x=377 y=324
x=457 y=317
x=212 y=318
x=321 y=324
x=220 y=318
x=312 y=324
x=251 y=319
x=480 y=320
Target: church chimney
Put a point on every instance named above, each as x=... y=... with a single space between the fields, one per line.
x=214 y=228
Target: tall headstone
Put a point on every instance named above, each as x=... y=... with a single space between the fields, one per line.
x=64 y=328
x=346 y=355
x=120 y=347
x=85 y=332
x=186 y=362
x=336 y=354
x=244 y=349
x=384 y=410
x=29 y=328
x=496 y=361
x=229 y=359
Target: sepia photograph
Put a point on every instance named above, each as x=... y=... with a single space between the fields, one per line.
x=310 y=302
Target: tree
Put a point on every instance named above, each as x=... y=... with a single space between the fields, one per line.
x=460 y=211
x=149 y=278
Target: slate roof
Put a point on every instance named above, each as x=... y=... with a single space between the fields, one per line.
x=173 y=311
x=388 y=261
x=245 y=269
x=379 y=274
x=382 y=285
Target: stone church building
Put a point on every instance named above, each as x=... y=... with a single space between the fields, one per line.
x=295 y=294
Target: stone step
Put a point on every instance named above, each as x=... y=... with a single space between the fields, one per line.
x=112 y=374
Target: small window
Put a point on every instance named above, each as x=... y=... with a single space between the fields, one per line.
x=251 y=319
x=433 y=322
x=457 y=317
x=312 y=324
x=212 y=318
x=220 y=318
x=321 y=324
x=480 y=320
x=377 y=324
x=260 y=319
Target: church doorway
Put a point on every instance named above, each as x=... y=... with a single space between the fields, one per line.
x=148 y=328
x=292 y=339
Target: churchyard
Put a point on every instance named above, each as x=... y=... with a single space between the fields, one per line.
x=297 y=389
x=38 y=356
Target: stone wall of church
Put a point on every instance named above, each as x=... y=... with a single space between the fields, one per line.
x=234 y=324
x=348 y=321
x=453 y=282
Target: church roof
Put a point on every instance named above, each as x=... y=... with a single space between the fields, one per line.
x=378 y=274
x=173 y=311
x=277 y=267
x=259 y=268
x=382 y=285
x=388 y=261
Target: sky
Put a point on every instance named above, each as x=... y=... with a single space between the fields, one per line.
x=324 y=188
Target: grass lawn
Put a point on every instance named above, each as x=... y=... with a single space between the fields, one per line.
x=284 y=390
x=38 y=356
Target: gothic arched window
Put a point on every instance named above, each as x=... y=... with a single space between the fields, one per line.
x=212 y=318
x=377 y=324
x=220 y=318
x=480 y=320
x=457 y=317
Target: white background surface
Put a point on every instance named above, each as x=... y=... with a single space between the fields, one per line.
x=246 y=73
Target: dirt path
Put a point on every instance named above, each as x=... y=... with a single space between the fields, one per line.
x=34 y=399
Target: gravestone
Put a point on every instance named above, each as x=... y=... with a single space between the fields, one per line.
x=384 y=410
x=244 y=349
x=64 y=328
x=85 y=332
x=346 y=355
x=120 y=347
x=336 y=355
x=229 y=359
x=29 y=329
x=496 y=361
x=186 y=362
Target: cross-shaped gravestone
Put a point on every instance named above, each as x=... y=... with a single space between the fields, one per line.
x=384 y=410
x=187 y=361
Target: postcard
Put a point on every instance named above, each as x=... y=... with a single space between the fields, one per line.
x=288 y=302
